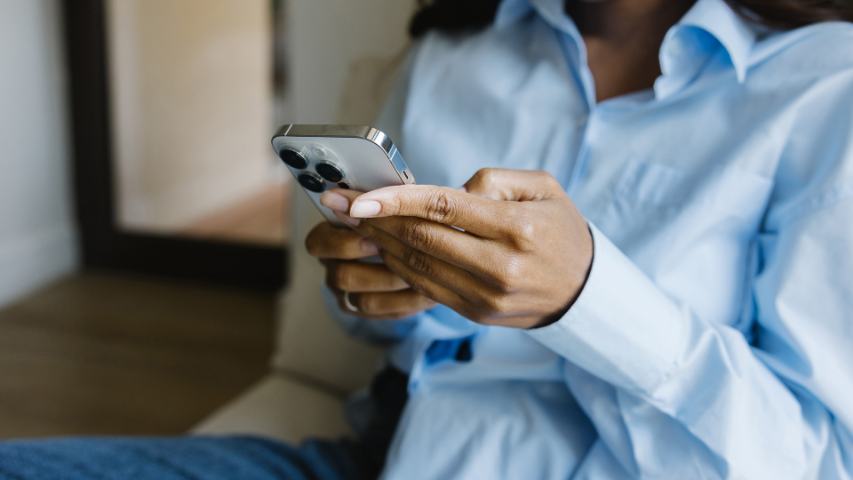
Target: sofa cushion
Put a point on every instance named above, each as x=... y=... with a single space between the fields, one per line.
x=309 y=341
x=281 y=408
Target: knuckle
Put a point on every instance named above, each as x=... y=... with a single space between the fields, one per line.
x=425 y=289
x=524 y=233
x=508 y=276
x=419 y=289
x=418 y=234
x=546 y=178
x=552 y=182
x=488 y=173
x=485 y=177
x=417 y=261
x=440 y=207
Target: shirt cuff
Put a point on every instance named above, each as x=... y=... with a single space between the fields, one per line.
x=622 y=328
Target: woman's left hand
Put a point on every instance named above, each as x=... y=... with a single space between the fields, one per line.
x=510 y=250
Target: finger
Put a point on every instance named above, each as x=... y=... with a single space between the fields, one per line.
x=482 y=257
x=513 y=185
x=425 y=285
x=328 y=241
x=455 y=208
x=362 y=277
x=438 y=280
x=429 y=287
x=394 y=304
x=427 y=267
x=338 y=199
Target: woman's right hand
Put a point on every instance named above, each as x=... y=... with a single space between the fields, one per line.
x=371 y=288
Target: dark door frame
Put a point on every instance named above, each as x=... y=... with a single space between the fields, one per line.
x=104 y=245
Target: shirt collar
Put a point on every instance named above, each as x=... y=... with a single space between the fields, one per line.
x=512 y=11
x=552 y=11
x=716 y=17
x=736 y=35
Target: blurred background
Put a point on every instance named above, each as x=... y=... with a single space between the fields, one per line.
x=144 y=220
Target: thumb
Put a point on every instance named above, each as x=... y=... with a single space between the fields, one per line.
x=513 y=185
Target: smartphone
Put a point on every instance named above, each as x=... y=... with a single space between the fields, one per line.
x=323 y=157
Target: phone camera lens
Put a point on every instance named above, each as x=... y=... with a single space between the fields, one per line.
x=330 y=172
x=292 y=158
x=312 y=182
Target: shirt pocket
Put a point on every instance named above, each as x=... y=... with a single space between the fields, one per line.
x=664 y=191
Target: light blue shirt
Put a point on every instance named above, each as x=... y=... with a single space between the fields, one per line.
x=714 y=337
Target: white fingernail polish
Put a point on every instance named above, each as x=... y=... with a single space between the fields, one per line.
x=365 y=208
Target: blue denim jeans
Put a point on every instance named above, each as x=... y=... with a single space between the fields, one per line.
x=195 y=457
x=217 y=457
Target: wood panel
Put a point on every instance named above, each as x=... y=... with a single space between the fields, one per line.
x=103 y=353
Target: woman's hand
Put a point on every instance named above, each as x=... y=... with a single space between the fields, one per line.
x=510 y=250
x=369 y=290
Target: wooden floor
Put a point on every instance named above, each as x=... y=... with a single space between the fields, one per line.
x=102 y=353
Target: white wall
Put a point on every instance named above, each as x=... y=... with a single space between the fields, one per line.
x=37 y=240
x=340 y=53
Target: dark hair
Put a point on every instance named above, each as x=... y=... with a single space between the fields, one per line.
x=457 y=16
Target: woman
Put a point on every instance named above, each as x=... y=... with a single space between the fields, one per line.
x=651 y=279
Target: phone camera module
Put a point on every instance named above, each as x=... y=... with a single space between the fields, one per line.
x=292 y=158
x=330 y=172
x=312 y=182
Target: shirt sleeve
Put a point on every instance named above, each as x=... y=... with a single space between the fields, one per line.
x=746 y=409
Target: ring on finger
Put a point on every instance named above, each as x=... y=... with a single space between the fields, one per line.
x=348 y=303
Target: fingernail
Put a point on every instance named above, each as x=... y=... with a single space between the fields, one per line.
x=335 y=201
x=352 y=222
x=365 y=208
x=368 y=247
